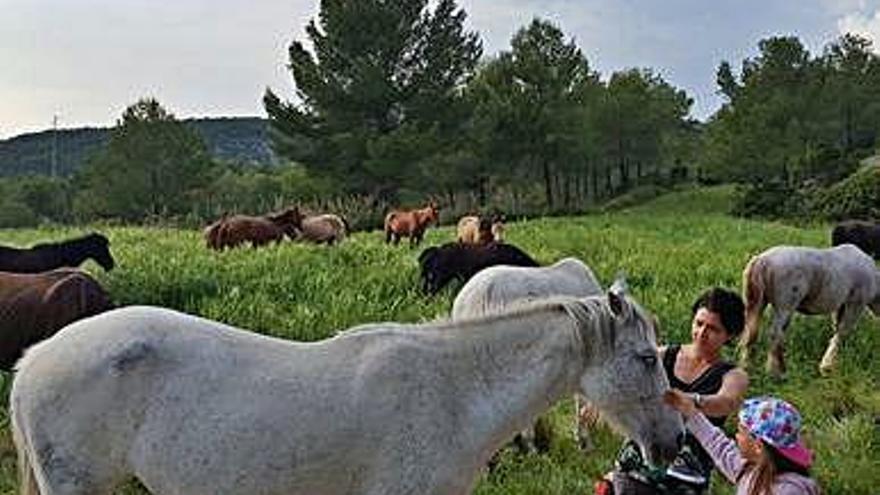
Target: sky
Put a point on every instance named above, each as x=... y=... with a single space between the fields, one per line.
x=83 y=62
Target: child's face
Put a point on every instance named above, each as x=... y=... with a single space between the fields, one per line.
x=750 y=447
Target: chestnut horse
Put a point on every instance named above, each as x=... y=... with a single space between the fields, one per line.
x=33 y=306
x=235 y=230
x=409 y=223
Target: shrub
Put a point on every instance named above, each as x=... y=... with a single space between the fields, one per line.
x=857 y=196
x=14 y=214
x=771 y=199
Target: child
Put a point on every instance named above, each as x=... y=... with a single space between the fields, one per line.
x=767 y=458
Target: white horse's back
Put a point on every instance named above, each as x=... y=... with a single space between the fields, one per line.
x=497 y=287
x=817 y=280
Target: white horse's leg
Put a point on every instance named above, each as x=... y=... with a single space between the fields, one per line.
x=844 y=320
x=68 y=475
x=776 y=354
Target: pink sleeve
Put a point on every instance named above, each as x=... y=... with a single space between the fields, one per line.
x=723 y=450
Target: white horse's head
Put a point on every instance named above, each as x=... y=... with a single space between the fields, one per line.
x=624 y=377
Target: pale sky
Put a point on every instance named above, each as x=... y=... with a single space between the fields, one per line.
x=87 y=60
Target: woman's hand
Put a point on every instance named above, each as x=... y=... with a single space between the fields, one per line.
x=680 y=401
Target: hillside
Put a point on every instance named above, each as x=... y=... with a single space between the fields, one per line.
x=238 y=139
x=671 y=248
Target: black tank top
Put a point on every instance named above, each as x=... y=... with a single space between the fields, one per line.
x=708 y=383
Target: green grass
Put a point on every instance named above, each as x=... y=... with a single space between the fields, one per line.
x=671 y=249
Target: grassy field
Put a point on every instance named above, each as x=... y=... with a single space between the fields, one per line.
x=671 y=249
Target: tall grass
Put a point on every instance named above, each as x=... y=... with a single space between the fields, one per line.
x=671 y=249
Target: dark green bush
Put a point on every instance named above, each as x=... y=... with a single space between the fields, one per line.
x=857 y=196
x=14 y=214
x=771 y=199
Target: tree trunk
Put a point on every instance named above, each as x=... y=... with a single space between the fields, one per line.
x=481 y=190
x=548 y=183
x=595 y=182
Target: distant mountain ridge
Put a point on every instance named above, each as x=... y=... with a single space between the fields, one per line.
x=236 y=139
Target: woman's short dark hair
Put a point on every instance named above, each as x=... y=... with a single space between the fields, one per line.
x=727 y=304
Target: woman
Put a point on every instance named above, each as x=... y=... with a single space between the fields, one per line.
x=717 y=388
x=768 y=456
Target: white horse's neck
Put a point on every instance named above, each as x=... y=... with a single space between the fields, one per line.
x=519 y=365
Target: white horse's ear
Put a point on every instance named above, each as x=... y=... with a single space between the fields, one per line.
x=617 y=296
x=619 y=286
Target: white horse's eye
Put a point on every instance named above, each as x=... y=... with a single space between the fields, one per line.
x=649 y=360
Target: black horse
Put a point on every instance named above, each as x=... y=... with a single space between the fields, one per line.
x=48 y=256
x=865 y=235
x=454 y=260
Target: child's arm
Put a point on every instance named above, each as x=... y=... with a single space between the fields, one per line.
x=723 y=450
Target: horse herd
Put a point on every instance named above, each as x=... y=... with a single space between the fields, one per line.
x=189 y=405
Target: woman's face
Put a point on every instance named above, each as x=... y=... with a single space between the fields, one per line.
x=707 y=331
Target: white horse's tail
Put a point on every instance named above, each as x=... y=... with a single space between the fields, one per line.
x=27 y=480
x=755 y=301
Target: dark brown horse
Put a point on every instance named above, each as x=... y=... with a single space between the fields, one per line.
x=235 y=230
x=48 y=256
x=409 y=223
x=35 y=306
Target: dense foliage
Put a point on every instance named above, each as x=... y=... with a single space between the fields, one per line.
x=670 y=249
x=858 y=196
x=150 y=165
x=794 y=120
x=378 y=94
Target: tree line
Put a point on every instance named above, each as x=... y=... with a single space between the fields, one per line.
x=395 y=102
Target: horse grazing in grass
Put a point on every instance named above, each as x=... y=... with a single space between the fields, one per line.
x=33 y=306
x=409 y=223
x=841 y=280
x=864 y=235
x=235 y=230
x=484 y=229
x=454 y=260
x=188 y=405
x=48 y=256
x=326 y=228
x=498 y=288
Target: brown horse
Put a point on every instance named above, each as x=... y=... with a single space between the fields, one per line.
x=35 y=306
x=409 y=223
x=233 y=231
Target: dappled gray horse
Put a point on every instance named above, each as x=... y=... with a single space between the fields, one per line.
x=188 y=405
x=841 y=280
x=499 y=287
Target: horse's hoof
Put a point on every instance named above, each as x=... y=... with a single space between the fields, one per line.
x=826 y=371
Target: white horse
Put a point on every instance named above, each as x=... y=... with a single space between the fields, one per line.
x=499 y=287
x=841 y=280
x=191 y=406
